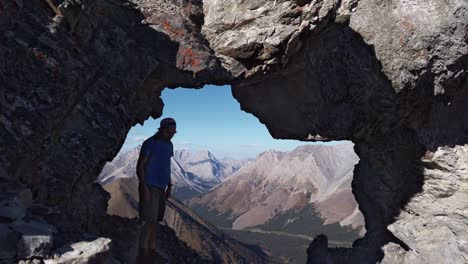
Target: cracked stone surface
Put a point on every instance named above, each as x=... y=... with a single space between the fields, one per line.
x=388 y=75
x=433 y=223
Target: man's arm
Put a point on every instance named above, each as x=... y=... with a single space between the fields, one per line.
x=169 y=184
x=142 y=189
x=169 y=187
x=142 y=159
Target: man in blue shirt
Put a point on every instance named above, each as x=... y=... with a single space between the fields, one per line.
x=154 y=175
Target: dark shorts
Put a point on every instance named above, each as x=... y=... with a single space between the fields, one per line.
x=152 y=210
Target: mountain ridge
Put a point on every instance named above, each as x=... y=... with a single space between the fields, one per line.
x=277 y=181
x=192 y=173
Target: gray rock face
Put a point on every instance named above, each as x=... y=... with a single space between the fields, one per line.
x=388 y=75
x=250 y=29
x=249 y=36
x=434 y=224
x=415 y=38
x=343 y=89
x=70 y=65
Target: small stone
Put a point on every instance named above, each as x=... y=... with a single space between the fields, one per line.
x=31 y=261
x=343 y=19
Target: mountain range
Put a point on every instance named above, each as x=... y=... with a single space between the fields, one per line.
x=284 y=197
x=192 y=172
x=311 y=177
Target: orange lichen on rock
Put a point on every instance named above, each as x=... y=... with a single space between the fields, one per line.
x=187 y=57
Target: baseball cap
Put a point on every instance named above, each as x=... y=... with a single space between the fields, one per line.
x=167 y=122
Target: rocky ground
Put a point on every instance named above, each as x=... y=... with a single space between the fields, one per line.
x=26 y=236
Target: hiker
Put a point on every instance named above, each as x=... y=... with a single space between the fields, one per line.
x=154 y=175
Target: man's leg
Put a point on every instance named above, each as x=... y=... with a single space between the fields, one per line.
x=144 y=244
x=159 y=209
x=145 y=236
x=145 y=209
x=154 y=236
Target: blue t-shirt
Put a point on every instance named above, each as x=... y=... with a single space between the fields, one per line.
x=158 y=167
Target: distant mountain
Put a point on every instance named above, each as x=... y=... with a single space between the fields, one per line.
x=198 y=234
x=312 y=178
x=206 y=166
x=192 y=173
x=232 y=165
x=123 y=165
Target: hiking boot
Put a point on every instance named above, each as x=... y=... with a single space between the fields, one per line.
x=143 y=256
x=155 y=258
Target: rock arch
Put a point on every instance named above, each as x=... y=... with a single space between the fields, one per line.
x=390 y=76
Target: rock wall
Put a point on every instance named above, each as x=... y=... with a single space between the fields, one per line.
x=72 y=85
x=61 y=67
x=433 y=223
x=388 y=75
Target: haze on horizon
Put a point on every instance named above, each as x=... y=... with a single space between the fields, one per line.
x=211 y=119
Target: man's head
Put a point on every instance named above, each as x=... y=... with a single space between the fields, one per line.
x=167 y=128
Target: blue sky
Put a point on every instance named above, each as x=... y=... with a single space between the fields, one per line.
x=211 y=119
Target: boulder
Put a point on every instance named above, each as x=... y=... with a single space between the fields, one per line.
x=93 y=252
x=31 y=261
x=36 y=239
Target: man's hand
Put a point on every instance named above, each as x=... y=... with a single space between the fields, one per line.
x=168 y=191
x=143 y=189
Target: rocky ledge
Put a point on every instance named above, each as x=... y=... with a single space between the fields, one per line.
x=27 y=237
